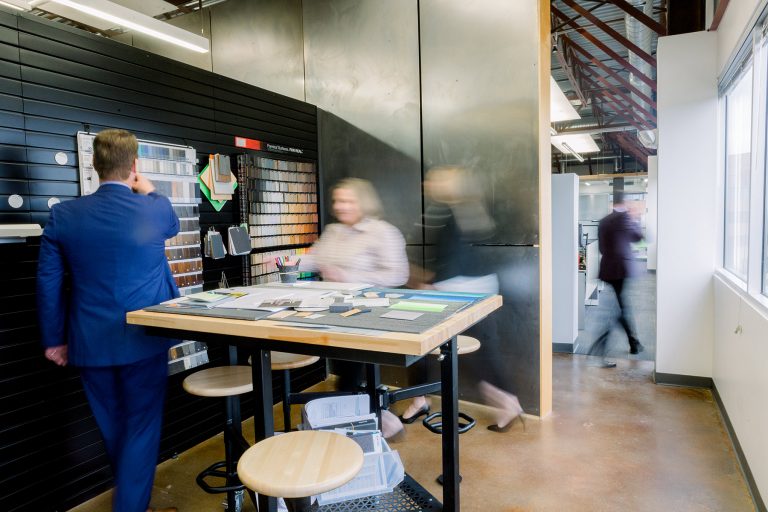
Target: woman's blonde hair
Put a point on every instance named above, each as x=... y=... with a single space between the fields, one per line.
x=366 y=195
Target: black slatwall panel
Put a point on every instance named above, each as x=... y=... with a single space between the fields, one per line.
x=54 y=81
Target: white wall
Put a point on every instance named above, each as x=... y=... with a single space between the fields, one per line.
x=740 y=376
x=739 y=358
x=565 y=234
x=687 y=155
x=738 y=16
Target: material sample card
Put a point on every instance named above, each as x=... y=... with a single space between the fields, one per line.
x=402 y=315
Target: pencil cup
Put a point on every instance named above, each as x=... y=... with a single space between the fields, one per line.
x=289 y=273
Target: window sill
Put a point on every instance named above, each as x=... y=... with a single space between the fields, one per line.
x=758 y=302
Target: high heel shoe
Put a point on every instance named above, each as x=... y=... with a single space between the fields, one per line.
x=421 y=412
x=505 y=428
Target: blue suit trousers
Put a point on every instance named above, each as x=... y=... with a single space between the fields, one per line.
x=127 y=402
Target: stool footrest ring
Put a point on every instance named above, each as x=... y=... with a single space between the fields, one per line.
x=437 y=426
x=215 y=471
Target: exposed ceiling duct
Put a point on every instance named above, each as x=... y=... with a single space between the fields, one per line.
x=641 y=35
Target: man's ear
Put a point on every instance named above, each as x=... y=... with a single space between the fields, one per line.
x=134 y=165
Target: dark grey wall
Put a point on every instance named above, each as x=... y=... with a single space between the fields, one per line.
x=405 y=85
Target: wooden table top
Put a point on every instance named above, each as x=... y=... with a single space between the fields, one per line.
x=389 y=342
x=300 y=464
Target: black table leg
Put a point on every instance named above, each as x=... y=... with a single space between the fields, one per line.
x=372 y=383
x=449 y=372
x=232 y=430
x=263 y=422
x=286 y=400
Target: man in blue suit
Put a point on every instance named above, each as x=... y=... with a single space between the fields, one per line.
x=615 y=234
x=112 y=245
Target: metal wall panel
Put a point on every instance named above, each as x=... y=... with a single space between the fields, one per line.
x=363 y=69
x=260 y=42
x=480 y=101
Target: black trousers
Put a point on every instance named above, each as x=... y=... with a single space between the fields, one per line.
x=599 y=347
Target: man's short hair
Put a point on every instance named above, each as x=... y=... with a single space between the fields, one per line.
x=114 y=152
x=618 y=198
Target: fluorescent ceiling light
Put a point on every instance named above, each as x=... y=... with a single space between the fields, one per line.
x=580 y=142
x=552 y=131
x=133 y=20
x=569 y=149
x=19 y=5
x=560 y=109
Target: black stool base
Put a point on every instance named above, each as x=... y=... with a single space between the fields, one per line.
x=298 y=504
x=434 y=422
x=215 y=471
x=439 y=479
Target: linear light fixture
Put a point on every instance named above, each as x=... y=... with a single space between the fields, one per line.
x=19 y=5
x=571 y=151
x=133 y=20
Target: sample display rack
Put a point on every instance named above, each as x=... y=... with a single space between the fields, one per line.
x=279 y=204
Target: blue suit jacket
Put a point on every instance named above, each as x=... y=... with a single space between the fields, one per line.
x=615 y=233
x=112 y=243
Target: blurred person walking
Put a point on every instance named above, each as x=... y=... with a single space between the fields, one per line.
x=359 y=248
x=615 y=233
x=455 y=219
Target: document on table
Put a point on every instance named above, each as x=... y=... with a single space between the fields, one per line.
x=256 y=296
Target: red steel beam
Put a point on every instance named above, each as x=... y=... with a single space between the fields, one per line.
x=623 y=81
x=717 y=18
x=611 y=32
x=632 y=103
x=640 y=16
x=633 y=147
x=569 y=73
x=621 y=109
x=607 y=49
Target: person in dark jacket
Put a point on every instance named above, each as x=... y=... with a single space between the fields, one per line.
x=615 y=233
x=112 y=245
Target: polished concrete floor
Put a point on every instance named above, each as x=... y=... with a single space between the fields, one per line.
x=615 y=442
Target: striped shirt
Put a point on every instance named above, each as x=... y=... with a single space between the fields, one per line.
x=372 y=251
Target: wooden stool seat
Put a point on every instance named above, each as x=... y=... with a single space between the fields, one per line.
x=220 y=381
x=465 y=345
x=300 y=464
x=286 y=361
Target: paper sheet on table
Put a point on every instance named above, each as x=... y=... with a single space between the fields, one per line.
x=418 y=306
x=371 y=302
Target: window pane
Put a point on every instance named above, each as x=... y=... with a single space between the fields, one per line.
x=738 y=149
